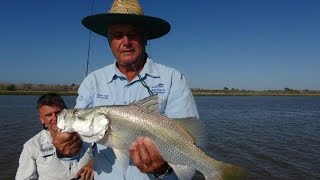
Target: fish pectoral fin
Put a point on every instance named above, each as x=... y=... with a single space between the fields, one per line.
x=103 y=140
x=183 y=172
x=118 y=141
x=123 y=157
x=151 y=103
x=196 y=128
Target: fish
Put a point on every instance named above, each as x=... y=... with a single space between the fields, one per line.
x=179 y=141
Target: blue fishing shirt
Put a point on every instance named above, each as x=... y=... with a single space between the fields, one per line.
x=108 y=86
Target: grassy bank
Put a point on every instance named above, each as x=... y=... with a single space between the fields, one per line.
x=252 y=94
x=62 y=93
x=71 y=90
x=194 y=92
x=237 y=92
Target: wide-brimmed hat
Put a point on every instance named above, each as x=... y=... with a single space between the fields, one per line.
x=126 y=12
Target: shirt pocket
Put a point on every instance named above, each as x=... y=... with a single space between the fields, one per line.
x=102 y=99
x=47 y=149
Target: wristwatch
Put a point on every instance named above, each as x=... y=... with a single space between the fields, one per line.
x=162 y=174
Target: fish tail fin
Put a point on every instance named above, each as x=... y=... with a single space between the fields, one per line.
x=228 y=172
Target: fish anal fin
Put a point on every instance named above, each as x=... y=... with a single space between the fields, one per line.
x=183 y=172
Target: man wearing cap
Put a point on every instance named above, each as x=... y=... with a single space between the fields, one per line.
x=132 y=76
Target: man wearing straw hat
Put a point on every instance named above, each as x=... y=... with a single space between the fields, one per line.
x=131 y=77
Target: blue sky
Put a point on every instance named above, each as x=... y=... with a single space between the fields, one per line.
x=244 y=44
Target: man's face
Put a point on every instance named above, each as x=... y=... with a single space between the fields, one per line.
x=48 y=116
x=127 y=43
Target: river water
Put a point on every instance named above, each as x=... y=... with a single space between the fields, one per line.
x=272 y=137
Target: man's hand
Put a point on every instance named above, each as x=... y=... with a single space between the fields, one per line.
x=86 y=172
x=146 y=156
x=68 y=144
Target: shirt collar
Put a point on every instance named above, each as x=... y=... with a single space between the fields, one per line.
x=148 y=70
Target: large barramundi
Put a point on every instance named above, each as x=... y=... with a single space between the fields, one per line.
x=178 y=140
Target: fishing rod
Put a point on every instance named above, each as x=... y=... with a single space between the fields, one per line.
x=89 y=42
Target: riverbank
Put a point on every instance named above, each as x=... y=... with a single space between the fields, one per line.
x=254 y=93
x=194 y=92
x=63 y=93
x=71 y=90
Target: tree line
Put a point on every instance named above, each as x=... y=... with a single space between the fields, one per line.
x=29 y=88
x=38 y=87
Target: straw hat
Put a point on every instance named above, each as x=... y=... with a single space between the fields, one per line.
x=126 y=12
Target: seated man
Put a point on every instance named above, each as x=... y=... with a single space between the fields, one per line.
x=38 y=159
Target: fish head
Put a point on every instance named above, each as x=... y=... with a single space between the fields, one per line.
x=90 y=123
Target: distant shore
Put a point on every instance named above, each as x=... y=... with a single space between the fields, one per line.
x=63 y=93
x=236 y=92
x=71 y=90
x=194 y=92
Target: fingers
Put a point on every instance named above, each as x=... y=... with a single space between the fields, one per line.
x=152 y=150
x=144 y=151
x=135 y=154
x=78 y=174
x=84 y=173
x=88 y=175
x=74 y=145
x=145 y=155
x=68 y=144
x=157 y=161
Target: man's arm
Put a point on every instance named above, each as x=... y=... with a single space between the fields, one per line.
x=27 y=166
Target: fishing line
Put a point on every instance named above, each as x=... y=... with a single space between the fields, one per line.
x=149 y=45
x=144 y=84
x=89 y=41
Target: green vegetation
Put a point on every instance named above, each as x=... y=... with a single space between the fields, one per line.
x=236 y=92
x=38 y=89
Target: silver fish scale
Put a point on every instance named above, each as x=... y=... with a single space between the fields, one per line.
x=127 y=122
x=174 y=143
x=144 y=122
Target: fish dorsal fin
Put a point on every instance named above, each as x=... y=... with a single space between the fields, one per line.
x=183 y=172
x=196 y=128
x=151 y=103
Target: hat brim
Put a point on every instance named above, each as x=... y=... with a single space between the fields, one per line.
x=99 y=23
